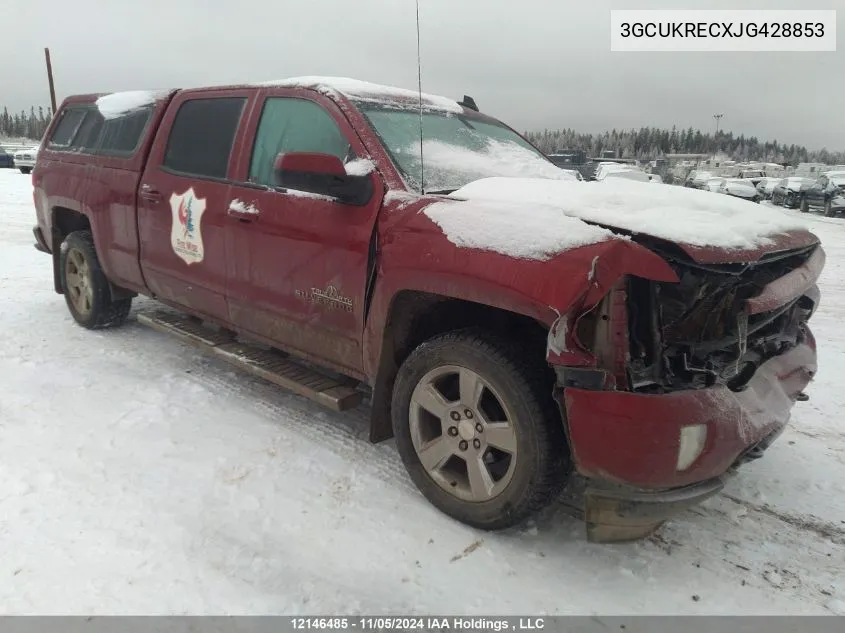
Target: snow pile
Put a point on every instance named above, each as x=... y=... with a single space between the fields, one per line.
x=139 y=476
x=679 y=214
x=508 y=228
x=360 y=167
x=242 y=207
x=120 y=103
x=365 y=91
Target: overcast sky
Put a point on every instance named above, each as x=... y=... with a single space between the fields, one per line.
x=532 y=63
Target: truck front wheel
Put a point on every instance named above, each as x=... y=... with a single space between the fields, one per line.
x=478 y=430
x=85 y=286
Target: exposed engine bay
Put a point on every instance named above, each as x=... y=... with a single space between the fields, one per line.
x=699 y=332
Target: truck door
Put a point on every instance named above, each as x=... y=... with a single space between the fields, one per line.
x=183 y=197
x=298 y=262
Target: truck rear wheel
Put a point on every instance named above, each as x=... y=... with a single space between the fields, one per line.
x=85 y=286
x=477 y=429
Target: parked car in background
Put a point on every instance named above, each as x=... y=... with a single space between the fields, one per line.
x=616 y=170
x=827 y=193
x=754 y=175
x=789 y=192
x=697 y=179
x=7 y=159
x=767 y=185
x=25 y=159
x=713 y=184
x=740 y=188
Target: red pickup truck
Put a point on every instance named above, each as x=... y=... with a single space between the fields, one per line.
x=516 y=330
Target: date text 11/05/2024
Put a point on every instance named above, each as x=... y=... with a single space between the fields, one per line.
x=418 y=623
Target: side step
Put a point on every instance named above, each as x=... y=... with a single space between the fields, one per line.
x=270 y=365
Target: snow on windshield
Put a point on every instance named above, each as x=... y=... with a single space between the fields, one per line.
x=450 y=166
x=119 y=103
x=457 y=149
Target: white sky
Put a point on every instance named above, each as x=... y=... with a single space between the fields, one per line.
x=532 y=63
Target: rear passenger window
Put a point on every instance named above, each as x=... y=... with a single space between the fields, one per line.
x=89 y=132
x=65 y=130
x=122 y=135
x=202 y=135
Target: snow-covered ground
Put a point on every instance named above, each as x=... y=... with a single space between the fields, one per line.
x=139 y=476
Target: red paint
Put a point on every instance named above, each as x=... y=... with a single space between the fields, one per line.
x=633 y=438
x=789 y=287
x=267 y=274
x=308 y=162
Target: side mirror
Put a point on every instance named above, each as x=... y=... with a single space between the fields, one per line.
x=322 y=174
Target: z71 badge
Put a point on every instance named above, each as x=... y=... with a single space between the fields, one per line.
x=186 y=230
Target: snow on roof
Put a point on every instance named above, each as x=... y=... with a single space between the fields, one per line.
x=678 y=214
x=119 y=103
x=366 y=91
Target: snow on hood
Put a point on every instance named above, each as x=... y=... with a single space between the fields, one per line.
x=678 y=214
x=120 y=103
x=365 y=91
x=504 y=227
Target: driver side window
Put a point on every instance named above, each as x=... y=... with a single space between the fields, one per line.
x=293 y=125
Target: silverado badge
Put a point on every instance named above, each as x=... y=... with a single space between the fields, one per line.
x=186 y=231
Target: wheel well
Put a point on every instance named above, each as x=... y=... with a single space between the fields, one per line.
x=64 y=222
x=415 y=317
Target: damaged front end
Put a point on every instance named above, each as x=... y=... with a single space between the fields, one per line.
x=676 y=383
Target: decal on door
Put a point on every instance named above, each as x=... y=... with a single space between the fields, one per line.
x=186 y=230
x=330 y=298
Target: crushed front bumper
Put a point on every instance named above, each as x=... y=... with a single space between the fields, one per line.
x=626 y=444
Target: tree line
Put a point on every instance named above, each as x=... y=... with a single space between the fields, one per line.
x=30 y=125
x=652 y=142
x=645 y=143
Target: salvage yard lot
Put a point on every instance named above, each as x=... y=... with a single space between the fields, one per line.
x=139 y=476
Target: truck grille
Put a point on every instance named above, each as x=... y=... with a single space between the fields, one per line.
x=695 y=333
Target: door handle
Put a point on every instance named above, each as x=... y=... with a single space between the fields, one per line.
x=242 y=212
x=149 y=194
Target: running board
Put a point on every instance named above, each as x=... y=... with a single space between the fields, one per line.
x=270 y=365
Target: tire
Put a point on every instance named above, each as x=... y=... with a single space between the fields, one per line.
x=828 y=210
x=85 y=286
x=520 y=482
x=26 y=170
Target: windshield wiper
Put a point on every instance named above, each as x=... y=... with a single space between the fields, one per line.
x=443 y=192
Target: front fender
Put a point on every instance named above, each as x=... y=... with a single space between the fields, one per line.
x=566 y=284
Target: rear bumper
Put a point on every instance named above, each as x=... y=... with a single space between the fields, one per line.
x=627 y=444
x=40 y=243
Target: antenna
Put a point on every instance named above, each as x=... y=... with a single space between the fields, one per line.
x=419 y=88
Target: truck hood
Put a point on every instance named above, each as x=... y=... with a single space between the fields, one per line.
x=710 y=229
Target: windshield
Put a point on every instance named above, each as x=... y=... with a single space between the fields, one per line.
x=457 y=148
